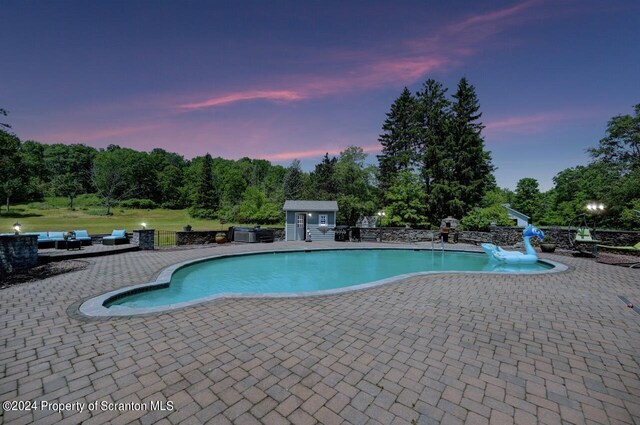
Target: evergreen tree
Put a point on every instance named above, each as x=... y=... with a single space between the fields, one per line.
x=434 y=155
x=472 y=164
x=293 y=184
x=398 y=139
x=205 y=196
x=323 y=179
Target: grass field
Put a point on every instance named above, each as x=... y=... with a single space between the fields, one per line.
x=53 y=215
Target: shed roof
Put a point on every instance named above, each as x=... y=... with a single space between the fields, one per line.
x=515 y=214
x=290 y=205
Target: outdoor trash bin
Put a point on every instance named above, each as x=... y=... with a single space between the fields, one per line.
x=341 y=234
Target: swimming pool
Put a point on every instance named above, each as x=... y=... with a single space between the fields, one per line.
x=296 y=273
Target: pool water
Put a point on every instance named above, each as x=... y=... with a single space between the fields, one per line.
x=307 y=271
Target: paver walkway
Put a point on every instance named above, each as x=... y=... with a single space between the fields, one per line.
x=447 y=348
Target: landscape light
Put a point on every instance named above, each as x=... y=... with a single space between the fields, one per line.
x=381 y=213
x=595 y=207
x=16 y=227
x=144 y=226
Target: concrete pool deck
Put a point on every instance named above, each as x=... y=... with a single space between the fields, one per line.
x=443 y=348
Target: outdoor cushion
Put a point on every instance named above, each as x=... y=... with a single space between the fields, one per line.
x=584 y=236
x=119 y=233
x=56 y=236
x=636 y=247
x=42 y=236
x=82 y=234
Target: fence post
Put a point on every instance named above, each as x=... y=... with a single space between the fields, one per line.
x=144 y=238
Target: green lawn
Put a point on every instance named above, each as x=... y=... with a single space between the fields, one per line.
x=52 y=215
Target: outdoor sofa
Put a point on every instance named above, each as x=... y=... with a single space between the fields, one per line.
x=118 y=237
x=83 y=236
x=48 y=239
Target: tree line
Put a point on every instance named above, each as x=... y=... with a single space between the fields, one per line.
x=433 y=164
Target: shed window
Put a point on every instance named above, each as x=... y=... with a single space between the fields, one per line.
x=323 y=219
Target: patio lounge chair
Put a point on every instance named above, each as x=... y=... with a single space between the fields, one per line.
x=118 y=237
x=583 y=237
x=635 y=249
x=83 y=235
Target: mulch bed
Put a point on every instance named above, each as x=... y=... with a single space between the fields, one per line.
x=41 y=272
x=604 y=258
x=617 y=259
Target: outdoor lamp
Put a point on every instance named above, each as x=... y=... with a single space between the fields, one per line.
x=144 y=226
x=309 y=214
x=16 y=227
x=595 y=207
x=381 y=213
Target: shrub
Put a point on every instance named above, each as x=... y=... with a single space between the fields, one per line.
x=140 y=204
x=480 y=219
x=88 y=200
x=204 y=213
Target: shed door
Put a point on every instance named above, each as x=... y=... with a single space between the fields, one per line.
x=300 y=226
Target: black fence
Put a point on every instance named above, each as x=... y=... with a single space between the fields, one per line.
x=164 y=238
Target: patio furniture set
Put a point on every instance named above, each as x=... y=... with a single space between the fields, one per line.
x=77 y=239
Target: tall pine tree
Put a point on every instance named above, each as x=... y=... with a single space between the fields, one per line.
x=293 y=184
x=472 y=164
x=323 y=179
x=398 y=139
x=434 y=154
x=206 y=197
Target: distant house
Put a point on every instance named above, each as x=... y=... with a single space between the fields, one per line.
x=519 y=219
x=370 y=221
x=318 y=218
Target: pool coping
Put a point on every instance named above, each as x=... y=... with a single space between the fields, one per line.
x=94 y=307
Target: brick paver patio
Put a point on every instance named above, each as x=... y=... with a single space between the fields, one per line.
x=447 y=348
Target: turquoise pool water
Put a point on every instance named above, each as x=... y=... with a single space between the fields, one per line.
x=308 y=271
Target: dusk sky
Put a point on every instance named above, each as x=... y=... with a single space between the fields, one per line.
x=294 y=79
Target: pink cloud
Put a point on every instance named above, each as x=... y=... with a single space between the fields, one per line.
x=365 y=70
x=526 y=123
x=538 y=122
x=377 y=73
x=487 y=21
x=313 y=153
x=276 y=95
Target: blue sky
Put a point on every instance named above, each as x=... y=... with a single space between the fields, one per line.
x=283 y=80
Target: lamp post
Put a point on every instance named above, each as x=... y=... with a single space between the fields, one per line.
x=595 y=209
x=16 y=228
x=144 y=226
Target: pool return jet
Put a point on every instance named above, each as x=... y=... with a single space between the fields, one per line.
x=500 y=255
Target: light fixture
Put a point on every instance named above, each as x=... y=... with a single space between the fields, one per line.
x=595 y=207
x=309 y=214
x=144 y=226
x=382 y=213
x=16 y=227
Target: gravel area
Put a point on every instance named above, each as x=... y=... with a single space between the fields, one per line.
x=41 y=272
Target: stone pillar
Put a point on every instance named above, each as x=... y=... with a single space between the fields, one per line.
x=144 y=238
x=18 y=252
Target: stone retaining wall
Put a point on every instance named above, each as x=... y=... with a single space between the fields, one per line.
x=201 y=237
x=506 y=236
x=18 y=252
x=196 y=237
